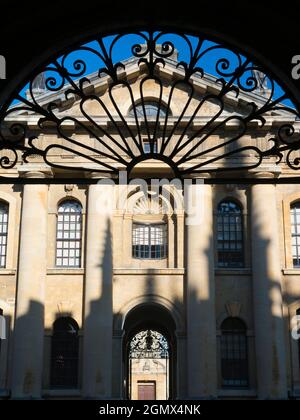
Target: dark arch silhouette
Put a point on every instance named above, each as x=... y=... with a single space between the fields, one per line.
x=236 y=27
x=234 y=353
x=64 y=354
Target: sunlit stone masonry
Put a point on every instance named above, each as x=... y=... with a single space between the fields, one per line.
x=113 y=291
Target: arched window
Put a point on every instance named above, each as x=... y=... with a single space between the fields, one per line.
x=230 y=251
x=234 y=353
x=149 y=241
x=3 y=233
x=68 y=234
x=295 y=226
x=151 y=109
x=64 y=354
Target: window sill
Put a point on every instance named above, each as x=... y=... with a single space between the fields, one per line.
x=291 y=271
x=66 y=271
x=142 y=271
x=233 y=271
x=249 y=393
x=7 y=271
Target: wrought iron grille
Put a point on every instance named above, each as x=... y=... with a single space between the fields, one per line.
x=230 y=235
x=234 y=354
x=243 y=99
x=149 y=344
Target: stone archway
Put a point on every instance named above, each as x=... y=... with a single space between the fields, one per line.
x=156 y=321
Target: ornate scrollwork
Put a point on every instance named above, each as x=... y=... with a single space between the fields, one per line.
x=183 y=141
x=149 y=344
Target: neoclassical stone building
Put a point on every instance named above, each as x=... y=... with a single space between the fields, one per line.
x=214 y=300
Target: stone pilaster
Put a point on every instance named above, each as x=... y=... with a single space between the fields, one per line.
x=97 y=347
x=27 y=364
x=180 y=239
x=267 y=293
x=200 y=294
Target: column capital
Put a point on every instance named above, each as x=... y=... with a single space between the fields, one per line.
x=271 y=172
x=35 y=171
x=203 y=175
x=97 y=175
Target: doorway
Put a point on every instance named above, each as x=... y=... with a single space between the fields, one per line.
x=148 y=366
x=149 y=354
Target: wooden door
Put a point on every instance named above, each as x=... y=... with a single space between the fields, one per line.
x=146 y=391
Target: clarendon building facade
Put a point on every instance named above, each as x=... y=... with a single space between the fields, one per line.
x=210 y=305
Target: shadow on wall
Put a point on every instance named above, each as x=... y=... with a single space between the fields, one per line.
x=98 y=328
x=97 y=340
x=270 y=333
x=6 y=335
x=27 y=362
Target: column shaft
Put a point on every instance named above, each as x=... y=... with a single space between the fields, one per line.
x=29 y=325
x=97 y=351
x=201 y=322
x=267 y=294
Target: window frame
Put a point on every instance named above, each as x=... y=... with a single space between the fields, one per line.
x=148 y=143
x=238 y=364
x=76 y=241
x=296 y=235
x=149 y=104
x=164 y=246
x=4 y=235
x=226 y=263
x=61 y=346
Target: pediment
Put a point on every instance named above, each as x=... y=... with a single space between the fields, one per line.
x=122 y=97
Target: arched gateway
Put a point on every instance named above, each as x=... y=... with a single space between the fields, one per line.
x=149 y=353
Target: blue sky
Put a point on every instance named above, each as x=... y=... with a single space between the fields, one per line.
x=122 y=51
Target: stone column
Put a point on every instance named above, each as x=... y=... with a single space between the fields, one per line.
x=97 y=347
x=267 y=293
x=200 y=294
x=27 y=363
